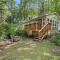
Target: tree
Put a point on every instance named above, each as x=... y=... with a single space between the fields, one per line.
x=3 y=11
x=12 y=11
x=22 y=13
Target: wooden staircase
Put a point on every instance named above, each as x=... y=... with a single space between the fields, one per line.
x=45 y=30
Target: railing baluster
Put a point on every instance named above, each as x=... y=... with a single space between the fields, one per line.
x=44 y=30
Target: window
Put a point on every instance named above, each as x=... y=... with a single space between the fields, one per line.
x=54 y=24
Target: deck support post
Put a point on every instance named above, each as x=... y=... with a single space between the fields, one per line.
x=42 y=22
x=36 y=26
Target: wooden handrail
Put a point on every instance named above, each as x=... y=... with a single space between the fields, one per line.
x=44 y=30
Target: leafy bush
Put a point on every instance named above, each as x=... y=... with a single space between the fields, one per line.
x=20 y=33
x=4 y=30
x=56 y=38
x=1 y=30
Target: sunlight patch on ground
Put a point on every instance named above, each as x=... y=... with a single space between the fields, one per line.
x=8 y=46
x=47 y=54
x=20 y=49
x=33 y=45
x=26 y=59
x=2 y=57
x=55 y=57
x=30 y=42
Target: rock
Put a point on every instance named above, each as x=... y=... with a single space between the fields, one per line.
x=57 y=50
x=16 y=38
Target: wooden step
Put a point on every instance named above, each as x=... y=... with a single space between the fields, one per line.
x=37 y=39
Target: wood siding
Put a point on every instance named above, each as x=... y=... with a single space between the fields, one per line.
x=33 y=26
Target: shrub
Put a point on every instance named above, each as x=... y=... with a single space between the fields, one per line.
x=56 y=38
x=20 y=33
x=7 y=29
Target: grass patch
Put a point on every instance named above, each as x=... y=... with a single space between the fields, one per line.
x=29 y=50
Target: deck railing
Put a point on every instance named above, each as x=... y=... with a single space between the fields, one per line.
x=44 y=30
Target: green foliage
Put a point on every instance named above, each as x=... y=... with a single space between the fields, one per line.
x=1 y=30
x=7 y=28
x=56 y=38
x=20 y=33
x=24 y=12
x=3 y=11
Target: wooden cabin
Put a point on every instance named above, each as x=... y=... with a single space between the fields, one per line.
x=42 y=26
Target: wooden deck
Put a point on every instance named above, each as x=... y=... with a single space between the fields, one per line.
x=37 y=29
